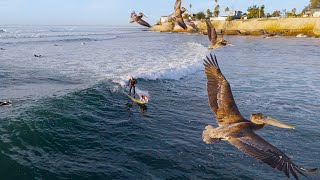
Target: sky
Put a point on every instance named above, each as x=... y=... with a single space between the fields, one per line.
x=116 y=12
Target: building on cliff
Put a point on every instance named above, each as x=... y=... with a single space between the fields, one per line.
x=228 y=15
x=164 y=19
x=314 y=12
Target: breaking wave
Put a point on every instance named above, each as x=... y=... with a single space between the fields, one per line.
x=180 y=67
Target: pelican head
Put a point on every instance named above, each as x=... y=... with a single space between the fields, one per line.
x=261 y=119
x=221 y=41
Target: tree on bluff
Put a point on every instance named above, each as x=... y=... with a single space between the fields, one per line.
x=216 y=11
x=276 y=14
x=226 y=9
x=200 y=15
x=209 y=13
x=185 y=16
x=314 y=3
x=255 y=11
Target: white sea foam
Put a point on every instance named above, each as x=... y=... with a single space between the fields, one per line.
x=185 y=65
x=175 y=67
x=140 y=54
x=301 y=36
x=172 y=73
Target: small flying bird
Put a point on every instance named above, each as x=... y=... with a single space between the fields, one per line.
x=138 y=19
x=216 y=41
x=178 y=11
x=239 y=131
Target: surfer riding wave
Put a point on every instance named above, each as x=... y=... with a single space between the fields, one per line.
x=132 y=86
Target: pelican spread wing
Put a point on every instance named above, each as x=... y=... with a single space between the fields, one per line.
x=178 y=16
x=220 y=95
x=177 y=5
x=143 y=15
x=212 y=34
x=181 y=23
x=143 y=23
x=190 y=23
x=255 y=146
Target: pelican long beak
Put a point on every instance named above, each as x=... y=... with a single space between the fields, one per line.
x=273 y=122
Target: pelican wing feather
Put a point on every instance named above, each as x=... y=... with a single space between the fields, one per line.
x=220 y=95
x=177 y=5
x=212 y=34
x=257 y=147
x=190 y=23
x=143 y=23
x=181 y=23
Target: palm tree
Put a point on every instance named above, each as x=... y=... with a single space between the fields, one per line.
x=226 y=9
x=294 y=11
x=216 y=11
x=209 y=13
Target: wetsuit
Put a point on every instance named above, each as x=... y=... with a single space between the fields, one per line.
x=132 y=84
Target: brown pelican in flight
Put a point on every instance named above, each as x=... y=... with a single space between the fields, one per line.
x=239 y=131
x=178 y=11
x=138 y=19
x=216 y=41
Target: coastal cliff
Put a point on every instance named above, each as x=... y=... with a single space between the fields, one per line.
x=282 y=26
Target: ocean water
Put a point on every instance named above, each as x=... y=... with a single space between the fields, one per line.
x=71 y=120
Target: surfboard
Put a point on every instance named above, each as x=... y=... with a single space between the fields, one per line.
x=136 y=100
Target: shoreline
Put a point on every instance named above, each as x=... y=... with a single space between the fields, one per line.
x=252 y=27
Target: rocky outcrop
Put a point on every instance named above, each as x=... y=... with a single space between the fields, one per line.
x=282 y=26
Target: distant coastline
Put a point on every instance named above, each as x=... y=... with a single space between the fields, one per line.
x=282 y=26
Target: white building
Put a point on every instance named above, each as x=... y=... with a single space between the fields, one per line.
x=314 y=12
x=164 y=19
x=220 y=18
x=234 y=14
x=229 y=14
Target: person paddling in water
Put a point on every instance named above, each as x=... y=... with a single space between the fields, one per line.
x=132 y=84
x=144 y=98
x=5 y=103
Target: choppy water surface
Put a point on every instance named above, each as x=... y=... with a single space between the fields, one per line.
x=70 y=118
